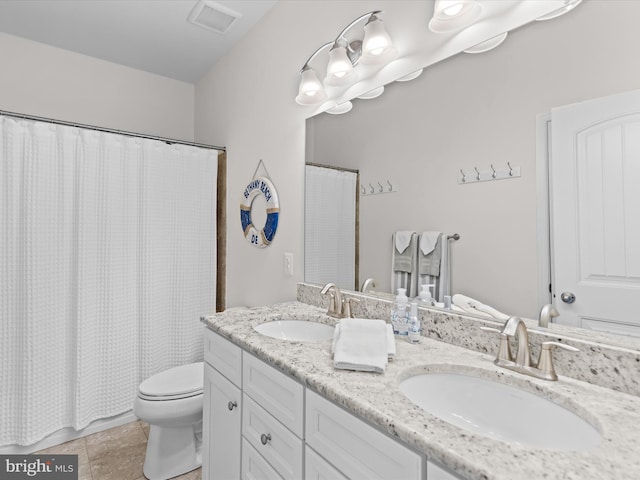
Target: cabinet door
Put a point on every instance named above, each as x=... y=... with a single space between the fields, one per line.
x=355 y=448
x=221 y=432
x=317 y=468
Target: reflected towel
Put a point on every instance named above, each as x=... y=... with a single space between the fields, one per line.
x=404 y=258
x=429 y=263
x=361 y=344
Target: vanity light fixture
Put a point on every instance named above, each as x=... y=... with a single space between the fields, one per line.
x=451 y=15
x=410 y=76
x=340 y=109
x=375 y=93
x=372 y=46
x=487 y=44
x=568 y=6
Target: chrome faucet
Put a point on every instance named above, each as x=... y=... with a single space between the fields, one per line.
x=335 y=300
x=546 y=314
x=369 y=283
x=339 y=307
x=515 y=327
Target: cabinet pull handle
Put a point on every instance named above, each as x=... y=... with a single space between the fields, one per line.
x=265 y=438
x=232 y=404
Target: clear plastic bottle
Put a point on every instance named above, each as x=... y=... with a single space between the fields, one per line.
x=414 y=324
x=400 y=313
x=425 y=299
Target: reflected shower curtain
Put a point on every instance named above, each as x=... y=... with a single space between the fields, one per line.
x=107 y=261
x=330 y=226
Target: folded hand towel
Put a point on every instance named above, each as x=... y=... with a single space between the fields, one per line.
x=429 y=263
x=361 y=344
x=391 y=342
x=403 y=253
x=428 y=242
x=403 y=239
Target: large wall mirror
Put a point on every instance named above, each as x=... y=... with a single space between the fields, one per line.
x=477 y=111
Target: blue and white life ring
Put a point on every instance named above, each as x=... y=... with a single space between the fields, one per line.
x=260 y=238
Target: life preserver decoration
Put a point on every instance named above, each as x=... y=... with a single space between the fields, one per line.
x=260 y=186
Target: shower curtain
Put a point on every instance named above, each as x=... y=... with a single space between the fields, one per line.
x=107 y=261
x=330 y=226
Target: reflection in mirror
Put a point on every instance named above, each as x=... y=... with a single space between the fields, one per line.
x=331 y=233
x=477 y=111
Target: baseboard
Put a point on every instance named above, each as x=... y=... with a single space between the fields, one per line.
x=68 y=434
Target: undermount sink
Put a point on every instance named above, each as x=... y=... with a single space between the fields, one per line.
x=500 y=411
x=296 y=330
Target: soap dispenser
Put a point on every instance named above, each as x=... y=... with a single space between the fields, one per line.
x=425 y=298
x=414 y=324
x=400 y=313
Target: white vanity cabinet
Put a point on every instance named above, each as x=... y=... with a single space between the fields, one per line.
x=260 y=424
x=272 y=417
x=355 y=448
x=222 y=408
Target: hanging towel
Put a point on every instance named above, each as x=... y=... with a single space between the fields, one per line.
x=404 y=268
x=430 y=254
x=361 y=344
x=402 y=240
x=403 y=253
x=442 y=280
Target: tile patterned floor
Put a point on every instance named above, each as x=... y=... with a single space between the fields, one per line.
x=114 y=454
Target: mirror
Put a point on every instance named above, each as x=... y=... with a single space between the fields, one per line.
x=475 y=111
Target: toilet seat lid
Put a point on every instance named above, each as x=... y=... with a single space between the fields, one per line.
x=177 y=382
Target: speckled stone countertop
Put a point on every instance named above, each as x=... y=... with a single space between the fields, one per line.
x=377 y=399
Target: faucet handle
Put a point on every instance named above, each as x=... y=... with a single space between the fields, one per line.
x=504 y=351
x=346 y=306
x=545 y=364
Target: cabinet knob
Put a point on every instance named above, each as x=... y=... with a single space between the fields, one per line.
x=265 y=438
x=232 y=404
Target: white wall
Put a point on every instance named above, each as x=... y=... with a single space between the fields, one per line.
x=50 y=82
x=477 y=110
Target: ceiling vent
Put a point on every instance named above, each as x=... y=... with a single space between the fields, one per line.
x=213 y=16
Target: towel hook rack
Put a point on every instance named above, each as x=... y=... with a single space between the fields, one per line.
x=371 y=188
x=492 y=173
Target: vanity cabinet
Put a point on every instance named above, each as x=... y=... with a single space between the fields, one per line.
x=355 y=448
x=222 y=409
x=260 y=424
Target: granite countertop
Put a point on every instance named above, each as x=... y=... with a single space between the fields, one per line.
x=377 y=399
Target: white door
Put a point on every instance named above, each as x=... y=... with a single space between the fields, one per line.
x=595 y=210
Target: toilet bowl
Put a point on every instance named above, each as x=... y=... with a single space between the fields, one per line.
x=171 y=403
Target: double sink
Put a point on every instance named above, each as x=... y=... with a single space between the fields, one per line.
x=484 y=407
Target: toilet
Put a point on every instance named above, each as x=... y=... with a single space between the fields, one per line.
x=171 y=402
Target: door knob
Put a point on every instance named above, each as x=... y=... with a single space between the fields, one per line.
x=568 y=297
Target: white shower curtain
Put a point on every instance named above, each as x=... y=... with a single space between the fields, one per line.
x=107 y=261
x=330 y=226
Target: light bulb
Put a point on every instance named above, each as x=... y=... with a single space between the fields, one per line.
x=377 y=47
x=310 y=91
x=340 y=67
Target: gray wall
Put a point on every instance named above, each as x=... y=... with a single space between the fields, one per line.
x=477 y=110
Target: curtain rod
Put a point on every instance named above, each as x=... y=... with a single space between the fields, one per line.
x=109 y=130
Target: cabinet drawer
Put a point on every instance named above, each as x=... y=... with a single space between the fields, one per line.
x=435 y=472
x=358 y=450
x=280 y=395
x=254 y=467
x=224 y=356
x=317 y=468
x=283 y=450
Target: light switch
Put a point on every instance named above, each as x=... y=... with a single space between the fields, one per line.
x=288 y=264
